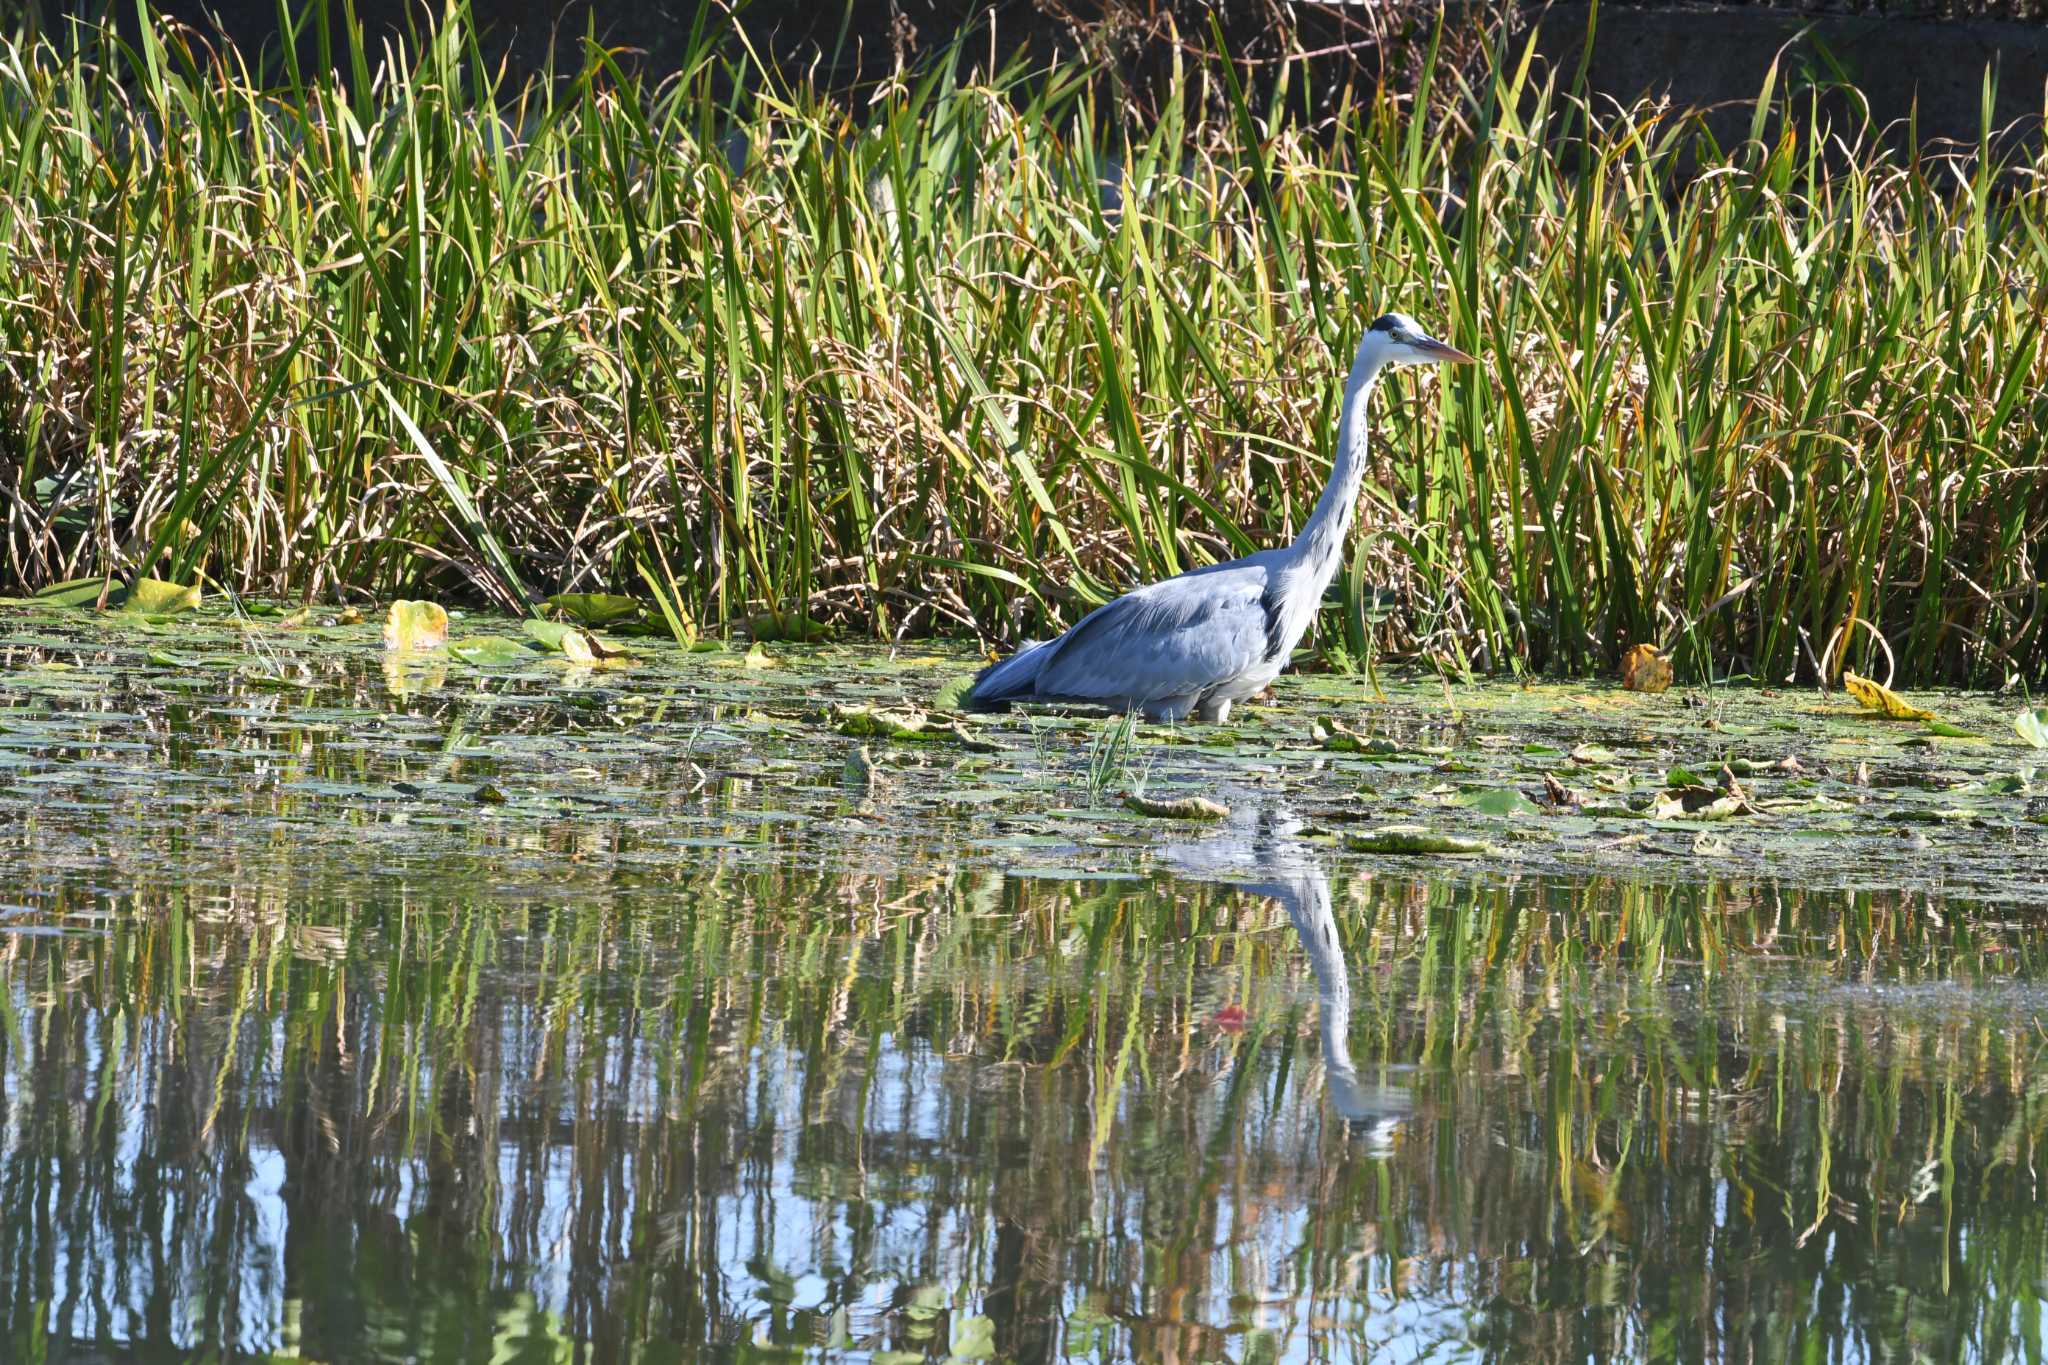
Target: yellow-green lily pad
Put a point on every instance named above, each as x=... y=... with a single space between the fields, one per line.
x=415 y=625
x=598 y=608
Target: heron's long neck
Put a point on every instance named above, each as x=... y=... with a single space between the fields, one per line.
x=1319 y=549
x=1308 y=904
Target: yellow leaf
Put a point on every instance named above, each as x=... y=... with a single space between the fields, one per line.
x=415 y=625
x=1645 y=669
x=1878 y=697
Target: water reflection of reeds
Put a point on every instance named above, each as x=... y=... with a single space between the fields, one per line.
x=807 y=1108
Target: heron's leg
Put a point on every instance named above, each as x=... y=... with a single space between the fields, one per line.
x=1213 y=710
x=1168 y=710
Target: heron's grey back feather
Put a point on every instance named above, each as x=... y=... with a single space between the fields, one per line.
x=1180 y=638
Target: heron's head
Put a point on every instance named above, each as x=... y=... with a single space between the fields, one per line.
x=1398 y=339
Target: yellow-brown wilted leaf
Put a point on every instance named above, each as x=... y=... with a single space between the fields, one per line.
x=1878 y=697
x=1645 y=669
x=415 y=625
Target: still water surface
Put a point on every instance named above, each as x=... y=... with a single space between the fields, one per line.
x=687 y=1051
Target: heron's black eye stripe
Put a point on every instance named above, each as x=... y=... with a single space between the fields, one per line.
x=1383 y=323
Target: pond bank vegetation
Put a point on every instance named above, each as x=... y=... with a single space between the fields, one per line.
x=972 y=356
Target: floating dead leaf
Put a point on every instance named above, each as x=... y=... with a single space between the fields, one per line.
x=605 y=652
x=1877 y=697
x=415 y=625
x=1178 y=808
x=1645 y=669
x=1698 y=803
x=1560 y=795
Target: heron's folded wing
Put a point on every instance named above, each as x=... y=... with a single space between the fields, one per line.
x=1172 y=639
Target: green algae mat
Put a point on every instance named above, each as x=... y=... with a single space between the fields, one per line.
x=538 y=993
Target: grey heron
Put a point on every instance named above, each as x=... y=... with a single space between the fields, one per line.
x=1197 y=643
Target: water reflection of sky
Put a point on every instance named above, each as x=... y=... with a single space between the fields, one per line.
x=1247 y=1142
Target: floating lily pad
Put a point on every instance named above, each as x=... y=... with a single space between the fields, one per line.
x=548 y=633
x=155 y=595
x=576 y=648
x=146 y=595
x=1498 y=801
x=415 y=625
x=598 y=608
x=493 y=651
x=76 y=592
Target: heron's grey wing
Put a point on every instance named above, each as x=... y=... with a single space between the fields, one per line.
x=1172 y=639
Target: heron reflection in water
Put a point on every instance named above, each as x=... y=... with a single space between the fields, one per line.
x=1265 y=855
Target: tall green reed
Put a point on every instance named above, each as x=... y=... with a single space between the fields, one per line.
x=983 y=350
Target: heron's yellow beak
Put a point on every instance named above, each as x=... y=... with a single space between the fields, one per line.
x=1431 y=349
